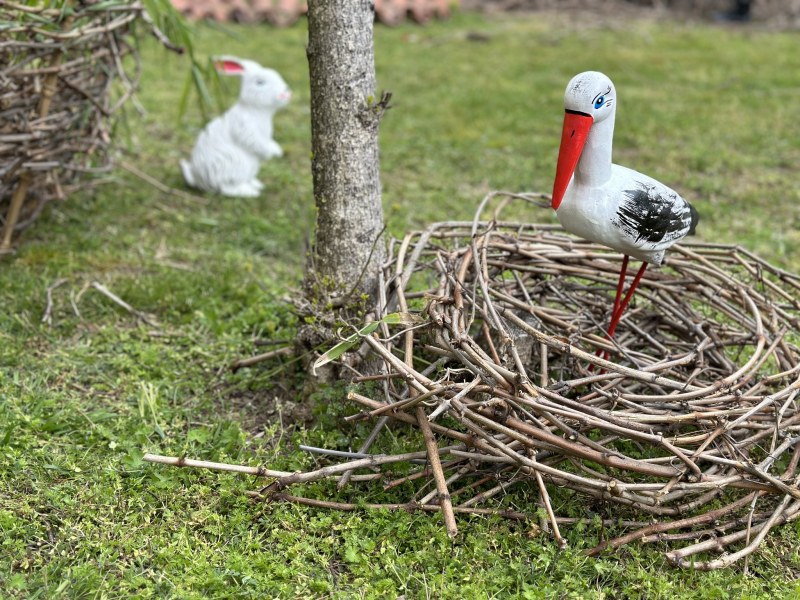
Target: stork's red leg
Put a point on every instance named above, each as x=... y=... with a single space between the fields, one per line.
x=620 y=286
x=621 y=308
x=623 y=270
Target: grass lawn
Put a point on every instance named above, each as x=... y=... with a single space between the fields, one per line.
x=710 y=111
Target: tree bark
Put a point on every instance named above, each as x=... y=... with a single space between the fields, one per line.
x=345 y=114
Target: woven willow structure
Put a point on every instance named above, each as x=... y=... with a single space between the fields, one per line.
x=58 y=63
x=688 y=436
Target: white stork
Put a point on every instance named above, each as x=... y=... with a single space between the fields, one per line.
x=606 y=203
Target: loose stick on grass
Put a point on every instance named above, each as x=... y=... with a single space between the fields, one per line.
x=161 y=186
x=214 y=466
x=47 y=317
x=253 y=360
x=120 y=302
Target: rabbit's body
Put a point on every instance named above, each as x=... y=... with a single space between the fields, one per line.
x=229 y=151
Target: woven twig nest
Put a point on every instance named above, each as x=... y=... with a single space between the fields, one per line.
x=687 y=436
x=691 y=427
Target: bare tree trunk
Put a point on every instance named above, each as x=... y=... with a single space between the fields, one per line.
x=344 y=140
x=342 y=269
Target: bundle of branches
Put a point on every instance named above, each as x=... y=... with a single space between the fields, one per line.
x=690 y=429
x=58 y=62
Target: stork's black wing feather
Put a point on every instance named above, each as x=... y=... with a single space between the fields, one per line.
x=652 y=215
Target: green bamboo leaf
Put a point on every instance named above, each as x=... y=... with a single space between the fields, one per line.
x=206 y=100
x=101 y=6
x=399 y=318
x=344 y=346
x=175 y=27
x=403 y=318
x=187 y=88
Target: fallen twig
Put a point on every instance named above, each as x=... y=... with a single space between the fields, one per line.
x=120 y=302
x=161 y=186
x=249 y=362
x=47 y=317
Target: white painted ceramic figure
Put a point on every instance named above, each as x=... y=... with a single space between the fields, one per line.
x=229 y=151
x=606 y=203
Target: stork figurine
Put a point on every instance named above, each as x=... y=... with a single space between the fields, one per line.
x=606 y=203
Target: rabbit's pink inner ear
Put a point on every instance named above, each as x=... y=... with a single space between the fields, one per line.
x=230 y=67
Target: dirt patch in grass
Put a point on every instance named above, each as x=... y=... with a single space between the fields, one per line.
x=257 y=409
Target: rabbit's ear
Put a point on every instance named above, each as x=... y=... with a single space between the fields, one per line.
x=228 y=65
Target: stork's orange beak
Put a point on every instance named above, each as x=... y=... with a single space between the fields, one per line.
x=573 y=138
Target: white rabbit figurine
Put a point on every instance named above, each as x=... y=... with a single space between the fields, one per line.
x=228 y=152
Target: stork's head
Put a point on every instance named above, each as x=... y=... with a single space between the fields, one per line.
x=590 y=98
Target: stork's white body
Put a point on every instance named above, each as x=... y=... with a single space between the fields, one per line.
x=593 y=212
x=609 y=204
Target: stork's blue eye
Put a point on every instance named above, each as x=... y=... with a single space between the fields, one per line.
x=599 y=102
